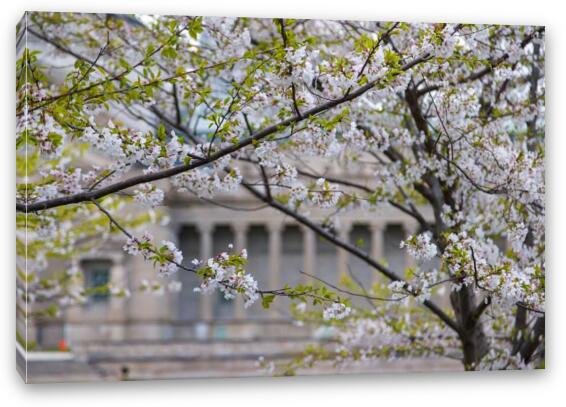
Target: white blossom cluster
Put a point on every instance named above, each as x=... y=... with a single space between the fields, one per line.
x=50 y=137
x=166 y=258
x=268 y=155
x=226 y=274
x=367 y=335
x=206 y=183
x=158 y=288
x=507 y=281
x=324 y=194
x=420 y=246
x=336 y=311
x=149 y=195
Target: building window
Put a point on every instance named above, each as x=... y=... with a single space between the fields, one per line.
x=394 y=255
x=292 y=247
x=326 y=265
x=189 y=301
x=96 y=277
x=360 y=236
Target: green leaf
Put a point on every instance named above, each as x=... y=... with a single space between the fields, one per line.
x=161 y=132
x=169 y=52
x=267 y=300
x=391 y=58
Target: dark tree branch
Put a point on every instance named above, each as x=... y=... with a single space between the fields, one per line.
x=353 y=250
x=383 y=37
x=140 y=179
x=351 y=293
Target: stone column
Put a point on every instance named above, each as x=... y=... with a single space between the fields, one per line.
x=72 y=314
x=146 y=312
x=205 y=229
x=309 y=251
x=170 y=300
x=377 y=250
x=274 y=254
x=118 y=312
x=240 y=230
x=342 y=255
x=175 y=237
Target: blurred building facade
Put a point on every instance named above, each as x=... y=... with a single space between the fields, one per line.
x=279 y=251
x=187 y=334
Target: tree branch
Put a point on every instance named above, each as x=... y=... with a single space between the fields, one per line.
x=167 y=173
x=353 y=250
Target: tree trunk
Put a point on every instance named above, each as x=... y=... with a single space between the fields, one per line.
x=474 y=343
